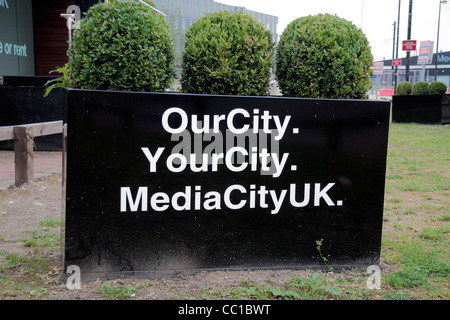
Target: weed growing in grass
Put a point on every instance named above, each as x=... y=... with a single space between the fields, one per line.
x=407 y=277
x=433 y=233
x=399 y=295
x=410 y=211
x=24 y=276
x=120 y=292
x=12 y=260
x=312 y=288
x=42 y=239
x=50 y=223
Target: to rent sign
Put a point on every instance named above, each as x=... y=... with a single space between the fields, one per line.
x=16 y=38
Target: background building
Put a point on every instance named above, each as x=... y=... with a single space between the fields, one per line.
x=34 y=36
x=417 y=72
x=183 y=13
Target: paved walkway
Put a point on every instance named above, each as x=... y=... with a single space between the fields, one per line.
x=45 y=163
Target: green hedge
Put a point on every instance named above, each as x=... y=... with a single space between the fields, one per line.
x=121 y=46
x=404 y=88
x=420 y=87
x=227 y=53
x=323 y=56
x=437 y=87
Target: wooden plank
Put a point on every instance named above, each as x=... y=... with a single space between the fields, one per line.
x=23 y=155
x=37 y=129
x=6 y=133
x=44 y=128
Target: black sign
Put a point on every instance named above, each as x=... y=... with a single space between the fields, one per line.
x=159 y=183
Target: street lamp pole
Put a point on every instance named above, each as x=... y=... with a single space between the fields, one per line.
x=437 y=40
x=393 y=43
x=408 y=54
x=396 y=49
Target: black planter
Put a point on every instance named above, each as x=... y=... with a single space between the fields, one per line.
x=127 y=217
x=426 y=109
x=22 y=101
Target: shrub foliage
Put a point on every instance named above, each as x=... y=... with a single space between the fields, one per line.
x=227 y=53
x=121 y=46
x=323 y=56
x=437 y=87
x=420 y=87
x=404 y=88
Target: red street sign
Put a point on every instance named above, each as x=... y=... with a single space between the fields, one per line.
x=377 y=68
x=397 y=62
x=378 y=65
x=409 y=45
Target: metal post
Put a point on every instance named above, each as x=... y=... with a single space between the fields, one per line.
x=437 y=40
x=408 y=53
x=393 y=43
x=393 y=57
x=396 y=51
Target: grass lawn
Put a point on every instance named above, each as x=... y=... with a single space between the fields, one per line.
x=416 y=212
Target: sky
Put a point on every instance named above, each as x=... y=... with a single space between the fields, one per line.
x=374 y=17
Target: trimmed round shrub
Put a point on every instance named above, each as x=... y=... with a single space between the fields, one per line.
x=227 y=53
x=437 y=87
x=323 y=56
x=121 y=46
x=420 y=87
x=404 y=88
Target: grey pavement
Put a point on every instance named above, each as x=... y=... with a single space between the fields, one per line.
x=45 y=164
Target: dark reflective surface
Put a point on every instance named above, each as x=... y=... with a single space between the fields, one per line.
x=340 y=157
x=429 y=109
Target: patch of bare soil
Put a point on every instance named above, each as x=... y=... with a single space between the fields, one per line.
x=23 y=208
x=410 y=212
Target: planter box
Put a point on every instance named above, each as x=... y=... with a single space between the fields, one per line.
x=22 y=102
x=427 y=109
x=148 y=195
